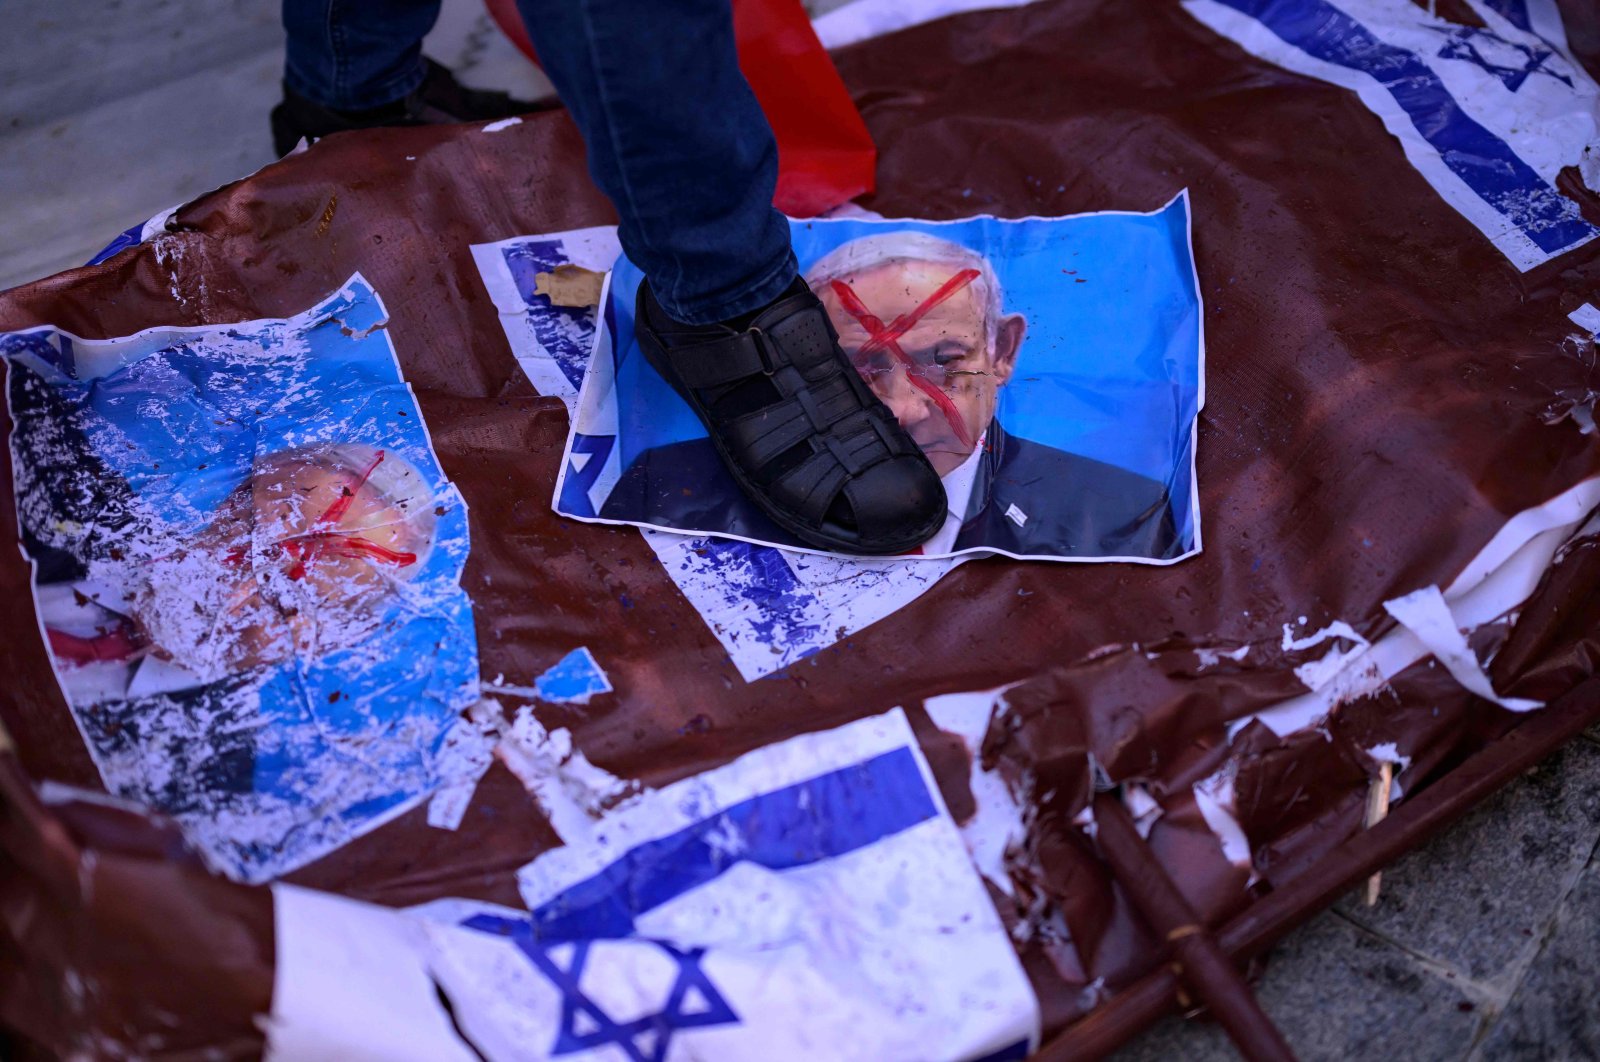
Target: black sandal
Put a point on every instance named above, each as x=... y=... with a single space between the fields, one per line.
x=797 y=427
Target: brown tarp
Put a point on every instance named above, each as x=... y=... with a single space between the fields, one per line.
x=1383 y=392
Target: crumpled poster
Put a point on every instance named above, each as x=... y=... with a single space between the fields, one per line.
x=1049 y=368
x=246 y=567
x=805 y=898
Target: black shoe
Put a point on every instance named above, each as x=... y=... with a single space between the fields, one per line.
x=439 y=100
x=797 y=427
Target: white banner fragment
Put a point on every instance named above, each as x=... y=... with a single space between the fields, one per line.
x=802 y=902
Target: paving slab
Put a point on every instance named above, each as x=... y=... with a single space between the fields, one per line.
x=1555 y=1011
x=71 y=186
x=60 y=57
x=1338 y=992
x=1479 y=897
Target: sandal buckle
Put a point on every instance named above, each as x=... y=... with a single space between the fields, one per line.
x=763 y=350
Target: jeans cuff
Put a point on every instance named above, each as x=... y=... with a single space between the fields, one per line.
x=368 y=97
x=709 y=311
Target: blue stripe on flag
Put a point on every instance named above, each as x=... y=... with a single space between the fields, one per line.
x=1482 y=160
x=805 y=823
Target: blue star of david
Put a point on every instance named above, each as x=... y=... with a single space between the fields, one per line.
x=1459 y=45
x=692 y=1003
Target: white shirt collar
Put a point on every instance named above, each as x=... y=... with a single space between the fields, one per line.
x=958 y=484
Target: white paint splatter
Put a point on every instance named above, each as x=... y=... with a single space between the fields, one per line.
x=1210 y=657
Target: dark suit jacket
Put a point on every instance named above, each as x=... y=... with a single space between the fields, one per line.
x=1027 y=499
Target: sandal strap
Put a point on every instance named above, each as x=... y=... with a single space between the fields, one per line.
x=766 y=433
x=722 y=360
x=804 y=339
x=810 y=487
x=853 y=447
x=824 y=410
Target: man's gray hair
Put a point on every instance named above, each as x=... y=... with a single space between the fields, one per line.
x=908 y=245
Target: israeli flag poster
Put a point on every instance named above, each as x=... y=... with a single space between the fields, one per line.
x=805 y=901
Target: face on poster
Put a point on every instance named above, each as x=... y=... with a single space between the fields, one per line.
x=1050 y=369
x=246 y=567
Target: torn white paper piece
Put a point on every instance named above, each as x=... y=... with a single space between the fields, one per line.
x=1586 y=317
x=1425 y=614
x=351 y=983
x=573 y=680
x=467 y=753
x=997 y=824
x=572 y=791
x=1213 y=795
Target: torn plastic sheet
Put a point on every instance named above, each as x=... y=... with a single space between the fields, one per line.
x=1496 y=581
x=246 y=566
x=1050 y=368
x=1373 y=419
x=997 y=826
x=1489 y=114
x=740 y=912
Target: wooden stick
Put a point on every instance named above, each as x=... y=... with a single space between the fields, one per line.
x=1201 y=963
x=1377 y=811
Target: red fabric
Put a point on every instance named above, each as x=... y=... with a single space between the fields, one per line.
x=825 y=154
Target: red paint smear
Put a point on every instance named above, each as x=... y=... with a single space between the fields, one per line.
x=303 y=549
x=118 y=644
x=347 y=496
x=887 y=337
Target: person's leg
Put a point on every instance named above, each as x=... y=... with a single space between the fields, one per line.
x=355 y=55
x=358 y=64
x=677 y=141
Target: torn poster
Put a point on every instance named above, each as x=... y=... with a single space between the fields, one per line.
x=768 y=607
x=551 y=343
x=574 y=679
x=1050 y=368
x=246 y=565
x=1490 y=114
x=801 y=902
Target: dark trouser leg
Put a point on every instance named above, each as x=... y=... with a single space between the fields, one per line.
x=677 y=141
x=352 y=55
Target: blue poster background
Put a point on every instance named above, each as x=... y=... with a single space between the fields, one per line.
x=1110 y=367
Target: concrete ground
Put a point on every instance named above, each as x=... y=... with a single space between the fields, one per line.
x=1484 y=944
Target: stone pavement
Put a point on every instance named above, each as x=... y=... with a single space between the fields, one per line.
x=1484 y=944
x=113 y=110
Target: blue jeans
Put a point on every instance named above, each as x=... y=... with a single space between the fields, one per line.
x=676 y=138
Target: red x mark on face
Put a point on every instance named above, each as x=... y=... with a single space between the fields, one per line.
x=303 y=549
x=887 y=337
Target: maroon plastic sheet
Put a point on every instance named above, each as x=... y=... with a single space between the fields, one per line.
x=1385 y=391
